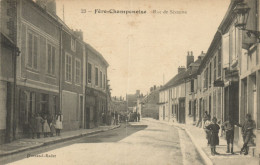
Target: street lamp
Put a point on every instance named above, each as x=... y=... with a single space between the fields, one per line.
x=242 y=11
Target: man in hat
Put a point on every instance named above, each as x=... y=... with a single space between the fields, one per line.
x=247 y=131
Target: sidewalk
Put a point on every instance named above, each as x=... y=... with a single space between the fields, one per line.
x=198 y=137
x=26 y=144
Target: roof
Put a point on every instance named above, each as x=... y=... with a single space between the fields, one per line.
x=151 y=97
x=181 y=77
x=97 y=53
x=175 y=80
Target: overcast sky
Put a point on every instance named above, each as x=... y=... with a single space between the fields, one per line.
x=141 y=48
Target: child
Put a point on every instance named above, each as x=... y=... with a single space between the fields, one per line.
x=207 y=123
x=229 y=129
x=52 y=125
x=46 y=127
x=214 y=139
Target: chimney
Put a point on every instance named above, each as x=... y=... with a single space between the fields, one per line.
x=49 y=5
x=154 y=87
x=201 y=55
x=181 y=69
x=190 y=59
x=78 y=34
x=137 y=92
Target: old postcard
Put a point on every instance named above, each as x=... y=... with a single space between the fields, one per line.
x=130 y=82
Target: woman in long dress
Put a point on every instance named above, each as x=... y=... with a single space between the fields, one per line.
x=58 y=125
x=46 y=127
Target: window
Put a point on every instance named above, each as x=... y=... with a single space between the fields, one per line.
x=68 y=68
x=73 y=44
x=192 y=85
x=219 y=62
x=104 y=81
x=78 y=71
x=51 y=59
x=100 y=74
x=215 y=68
x=32 y=50
x=55 y=105
x=44 y=106
x=206 y=78
x=96 y=76
x=189 y=107
x=210 y=74
x=89 y=72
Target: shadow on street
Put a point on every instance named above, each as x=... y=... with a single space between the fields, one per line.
x=114 y=135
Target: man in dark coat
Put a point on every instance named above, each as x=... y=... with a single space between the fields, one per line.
x=38 y=125
x=247 y=131
x=214 y=139
x=32 y=125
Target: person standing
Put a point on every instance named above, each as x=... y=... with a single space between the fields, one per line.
x=52 y=127
x=138 y=116
x=205 y=118
x=228 y=127
x=116 y=118
x=214 y=139
x=208 y=133
x=247 y=132
x=58 y=125
x=38 y=122
x=46 y=127
x=32 y=126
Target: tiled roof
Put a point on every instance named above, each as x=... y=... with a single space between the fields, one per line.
x=182 y=76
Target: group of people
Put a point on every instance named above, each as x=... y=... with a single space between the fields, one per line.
x=212 y=130
x=134 y=116
x=47 y=125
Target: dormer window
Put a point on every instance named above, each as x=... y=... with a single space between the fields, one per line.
x=73 y=44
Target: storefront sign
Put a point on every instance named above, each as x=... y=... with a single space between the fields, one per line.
x=218 y=83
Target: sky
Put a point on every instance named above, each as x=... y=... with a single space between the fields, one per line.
x=144 y=50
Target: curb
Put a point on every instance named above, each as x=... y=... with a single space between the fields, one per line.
x=206 y=159
x=57 y=141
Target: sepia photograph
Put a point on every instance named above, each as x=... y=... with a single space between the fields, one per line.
x=130 y=82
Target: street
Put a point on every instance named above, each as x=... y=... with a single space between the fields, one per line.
x=141 y=143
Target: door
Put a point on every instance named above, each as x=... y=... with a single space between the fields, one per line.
x=182 y=110
x=81 y=111
x=194 y=110
x=87 y=117
x=163 y=112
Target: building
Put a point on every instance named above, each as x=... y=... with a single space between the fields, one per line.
x=149 y=104
x=43 y=70
x=8 y=56
x=96 y=88
x=177 y=96
x=132 y=101
x=228 y=75
x=119 y=105
x=192 y=115
x=72 y=78
x=37 y=85
x=248 y=65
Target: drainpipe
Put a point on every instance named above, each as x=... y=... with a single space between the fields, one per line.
x=15 y=53
x=60 y=70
